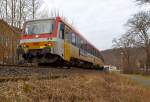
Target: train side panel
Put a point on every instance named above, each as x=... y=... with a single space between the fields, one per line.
x=67 y=51
x=72 y=51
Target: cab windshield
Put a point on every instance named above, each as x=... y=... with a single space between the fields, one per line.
x=39 y=27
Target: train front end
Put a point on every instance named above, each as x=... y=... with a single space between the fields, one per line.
x=38 y=41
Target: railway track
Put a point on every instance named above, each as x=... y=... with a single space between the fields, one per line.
x=16 y=73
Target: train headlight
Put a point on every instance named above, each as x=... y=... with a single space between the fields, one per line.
x=37 y=36
x=50 y=44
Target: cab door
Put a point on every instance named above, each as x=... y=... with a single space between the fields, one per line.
x=67 y=50
x=67 y=46
x=60 y=41
x=64 y=35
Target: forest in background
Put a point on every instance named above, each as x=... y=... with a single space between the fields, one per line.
x=16 y=12
x=135 y=42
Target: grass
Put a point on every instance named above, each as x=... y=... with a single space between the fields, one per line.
x=139 y=79
x=138 y=75
x=76 y=87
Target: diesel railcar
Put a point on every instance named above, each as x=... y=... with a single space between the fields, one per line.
x=55 y=41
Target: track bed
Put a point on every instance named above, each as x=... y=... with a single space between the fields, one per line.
x=15 y=73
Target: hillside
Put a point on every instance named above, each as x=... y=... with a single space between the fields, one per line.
x=113 y=56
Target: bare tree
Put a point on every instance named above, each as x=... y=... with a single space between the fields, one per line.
x=33 y=8
x=2 y=9
x=143 y=1
x=139 y=24
x=124 y=43
x=12 y=12
x=44 y=14
x=15 y=12
x=35 y=5
x=6 y=9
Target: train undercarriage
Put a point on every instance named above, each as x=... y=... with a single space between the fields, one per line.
x=44 y=58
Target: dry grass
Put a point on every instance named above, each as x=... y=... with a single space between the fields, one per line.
x=78 y=87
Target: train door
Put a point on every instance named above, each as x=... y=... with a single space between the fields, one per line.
x=67 y=49
x=63 y=43
x=60 y=41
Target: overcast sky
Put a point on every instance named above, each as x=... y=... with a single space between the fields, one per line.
x=99 y=21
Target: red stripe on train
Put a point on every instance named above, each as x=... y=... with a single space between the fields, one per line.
x=38 y=36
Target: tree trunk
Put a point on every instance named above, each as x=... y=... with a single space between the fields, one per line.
x=20 y=14
x=6 y=10
x=12 y=12
x=33 y=4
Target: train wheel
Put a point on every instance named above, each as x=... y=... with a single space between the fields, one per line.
x=51 y=58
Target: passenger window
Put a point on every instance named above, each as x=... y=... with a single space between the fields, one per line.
x=73 y=39
x=61 y=30
x=78 y=42
x=67 y=32
x=81 y=44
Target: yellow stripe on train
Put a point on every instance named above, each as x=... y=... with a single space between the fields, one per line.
x=38 y=45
